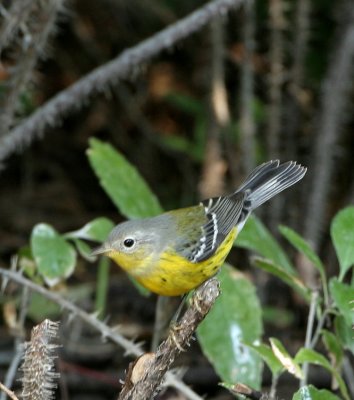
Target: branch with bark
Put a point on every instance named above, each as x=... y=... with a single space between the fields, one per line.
x=102 y=78
x=145 y=375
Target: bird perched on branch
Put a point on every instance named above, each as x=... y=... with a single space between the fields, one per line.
x=177 y=251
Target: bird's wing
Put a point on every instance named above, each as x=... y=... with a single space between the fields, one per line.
x=203 y=234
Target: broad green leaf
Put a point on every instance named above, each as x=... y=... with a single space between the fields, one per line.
x=54 y=256
x=235 y=317
x=289 y=278
x=342 y=233
x=345 y=333
x=303 y=247
x=255 y=236
x=267 y=356
x=122 y=182
x=285 y=358
x=311 y=393
x=96 y=230
x=343 y=296
x=313 y=357
x=333 y=346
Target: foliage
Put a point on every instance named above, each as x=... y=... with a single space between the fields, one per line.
x=230 y=336
x=235 y=317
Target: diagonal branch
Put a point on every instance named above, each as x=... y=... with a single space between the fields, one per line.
x=105 y=330
x=146 y=374
x=99 y=80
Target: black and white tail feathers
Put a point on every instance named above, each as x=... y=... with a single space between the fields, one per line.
x=269 y=179
x=225 y=212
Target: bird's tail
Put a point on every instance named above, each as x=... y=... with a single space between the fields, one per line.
x=269 y=179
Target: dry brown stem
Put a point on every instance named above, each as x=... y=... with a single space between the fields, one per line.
x=145 y=376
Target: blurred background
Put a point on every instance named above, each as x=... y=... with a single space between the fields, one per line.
x=269 y=80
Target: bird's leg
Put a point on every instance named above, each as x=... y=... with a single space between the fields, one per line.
x=177 y=314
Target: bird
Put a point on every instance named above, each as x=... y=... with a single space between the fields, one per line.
x=176 y=251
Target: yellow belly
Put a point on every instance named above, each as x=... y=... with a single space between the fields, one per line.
x=174 y=275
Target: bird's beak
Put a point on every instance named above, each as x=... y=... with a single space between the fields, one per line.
x=100 y=250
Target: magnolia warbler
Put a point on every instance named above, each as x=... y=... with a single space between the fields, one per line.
x=177 y=251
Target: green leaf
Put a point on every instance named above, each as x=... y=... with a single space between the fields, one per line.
x=345 y=333
x=303 y=247
x=54 y=256
x=255 y=236
x=313 y=357
x=333 y=346
x=311 y=393
x=97 y=230
x=342 y=233
x=289 y=278
x=285 y=358
x=267 y=356
x=343 y=296
x=122 y=182
x=235 y=317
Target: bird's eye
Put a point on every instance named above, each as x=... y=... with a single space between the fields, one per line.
x=129 y=243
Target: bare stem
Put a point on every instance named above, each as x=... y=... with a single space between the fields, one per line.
x=309 y=332
x=8 y=392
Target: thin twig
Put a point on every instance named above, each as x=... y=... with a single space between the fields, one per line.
x=99 y=80
x=20 y=337
x=146 y=374
x=11 y=371
x=273 y=387
x=106 y=331
x=8 y=392
x=309 y=332
x=130 y=347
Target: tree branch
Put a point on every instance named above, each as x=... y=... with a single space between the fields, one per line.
x=106 y=331
x=147 y=372
x=109 y=74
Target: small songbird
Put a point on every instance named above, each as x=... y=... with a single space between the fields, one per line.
x=177 y=251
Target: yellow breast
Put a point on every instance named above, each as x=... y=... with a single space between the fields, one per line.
x=174 y=275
